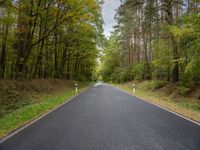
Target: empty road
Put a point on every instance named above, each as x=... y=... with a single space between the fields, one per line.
x=106 y=118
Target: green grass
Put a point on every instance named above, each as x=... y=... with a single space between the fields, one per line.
x=28 y=113
x=187 y=107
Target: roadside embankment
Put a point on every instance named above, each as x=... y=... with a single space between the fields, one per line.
x=24 y=101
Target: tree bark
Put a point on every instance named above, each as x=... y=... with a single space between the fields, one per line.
x=3 y=51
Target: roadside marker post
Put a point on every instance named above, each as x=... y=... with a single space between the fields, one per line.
x=133 y=87
x=76 y=87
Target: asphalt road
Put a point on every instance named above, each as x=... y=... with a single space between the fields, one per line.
x=106 y=118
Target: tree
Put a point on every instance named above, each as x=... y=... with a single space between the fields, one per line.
x=49 y=38
x=158 y=37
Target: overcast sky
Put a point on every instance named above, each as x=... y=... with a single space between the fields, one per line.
x=108 y=12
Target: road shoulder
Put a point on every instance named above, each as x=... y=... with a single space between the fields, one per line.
x=191 y=116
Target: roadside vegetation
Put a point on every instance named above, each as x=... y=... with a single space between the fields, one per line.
x=44 y=46
x=24 y=101
x=156 y=42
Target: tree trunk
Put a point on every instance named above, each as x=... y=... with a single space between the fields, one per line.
x=3 y=51
x=63 y=61
x=170 y=21
x=175 y=71
x=24 y=39
x=56 y=56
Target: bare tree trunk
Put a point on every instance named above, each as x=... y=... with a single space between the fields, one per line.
x=175 y=71
x=24 y=41
x=145 y=43
x=46 y=68
x=63 y=61
x=3 y=49
x=56 y=56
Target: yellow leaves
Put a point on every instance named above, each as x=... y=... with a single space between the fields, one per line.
x=87 y=17
x=186 y=30
x=71 y=2
x=87 y=27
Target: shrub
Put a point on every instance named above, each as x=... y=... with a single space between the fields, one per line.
x=138 y=71
x=182 y=91
x=152 y=85
x=158 y=84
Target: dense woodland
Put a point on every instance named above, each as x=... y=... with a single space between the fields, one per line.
x=49 y=38
x=155 y=39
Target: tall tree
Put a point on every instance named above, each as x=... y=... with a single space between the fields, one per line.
x=150 y=45
x=49 y=38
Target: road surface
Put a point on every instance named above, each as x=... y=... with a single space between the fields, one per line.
x=106 y=118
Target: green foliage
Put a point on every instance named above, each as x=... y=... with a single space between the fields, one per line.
x=110 y=59
x=189 y=42
x=162 y=62
x=138 y=71
x=119 y=75
x=152 y=85
x=50 y=39
x=161 y=47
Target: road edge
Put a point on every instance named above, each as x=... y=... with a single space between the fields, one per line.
x=16 y=131
x=177 y=114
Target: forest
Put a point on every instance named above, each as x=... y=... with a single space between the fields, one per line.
x=47 y=39
x=46 y=48
x=53 y=50
x=154 y=40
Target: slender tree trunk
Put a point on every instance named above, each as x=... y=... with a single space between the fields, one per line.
x=46 y=68
x=24 y=38
x=63 y=61
x=145 y=43
x=56 y=56
x=175 y=71
x=3 y=50
x=40 y=57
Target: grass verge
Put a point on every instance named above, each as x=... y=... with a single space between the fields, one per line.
x=187 y=107
x=28 y=113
